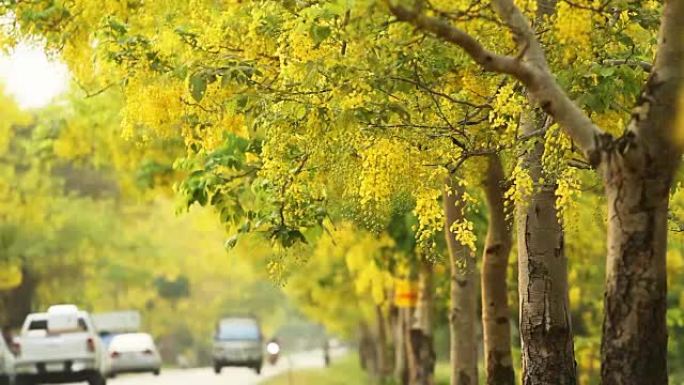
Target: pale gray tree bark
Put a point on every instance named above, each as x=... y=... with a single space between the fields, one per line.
x=495 y=310
x=381 y=343
x=421 y=328
x=638 y=169
x=401 y=365
x=463 y=311
x=545 y=328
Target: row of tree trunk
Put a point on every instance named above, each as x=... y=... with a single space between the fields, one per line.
x=634 y=333
x=496 y=323
x=401 y=344
x=637 y=168
x=546 y=333
x=545 y=327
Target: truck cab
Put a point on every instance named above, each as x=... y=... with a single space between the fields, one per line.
x=59 y=346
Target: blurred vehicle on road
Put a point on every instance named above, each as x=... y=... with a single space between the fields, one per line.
x=6 y=363
x=238 y=342
x=273 y=350
x=58 y=346
x=110 y=324
x=133 y=353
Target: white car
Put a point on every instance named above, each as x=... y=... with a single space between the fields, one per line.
x=59 y=346
x=133 y=353
x=6 y=364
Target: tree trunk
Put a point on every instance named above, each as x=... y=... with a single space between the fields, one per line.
x=400 y=355
x=367 y=355
x=495 y=311
x=545 y=329
x=18 y=302
x=463 y=307
x=638 y=169
x=411 y=362
x=420 y=333
x=381 y=343
x=634 y=345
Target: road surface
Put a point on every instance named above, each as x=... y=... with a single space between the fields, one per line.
x=229 y=376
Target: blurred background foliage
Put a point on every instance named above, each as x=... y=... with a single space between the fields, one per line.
x=89 y=218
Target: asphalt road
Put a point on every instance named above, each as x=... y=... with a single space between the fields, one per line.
x=229 y=376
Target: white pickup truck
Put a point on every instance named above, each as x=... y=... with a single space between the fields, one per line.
x=59 y=346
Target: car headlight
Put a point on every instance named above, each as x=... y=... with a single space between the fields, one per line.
x=273 y=348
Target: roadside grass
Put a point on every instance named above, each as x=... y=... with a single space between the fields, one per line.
x=343 y=371
x=442 y=371
x=346 y=371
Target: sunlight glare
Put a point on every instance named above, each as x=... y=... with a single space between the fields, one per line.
x=31 y=77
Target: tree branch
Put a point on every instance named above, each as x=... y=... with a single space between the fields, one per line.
x=427 y=89
x=531 y=68
x=490 y=61
x=670 y=55
x=90 y=94
x=286 y=186
x=644 y=65
x=655 y=118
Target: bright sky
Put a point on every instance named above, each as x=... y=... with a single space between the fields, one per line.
x=32 y=78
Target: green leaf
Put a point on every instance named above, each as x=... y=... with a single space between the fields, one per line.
x=607 y=71
x=198 y=85
x=319 y=33
x=300 y=111
x=117 y=26
x=231 y=242
x=400 y=110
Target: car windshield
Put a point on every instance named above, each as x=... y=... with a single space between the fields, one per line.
x=238 y=329
x=131 y=343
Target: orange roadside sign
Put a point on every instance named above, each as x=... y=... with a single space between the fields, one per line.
x=405 y=293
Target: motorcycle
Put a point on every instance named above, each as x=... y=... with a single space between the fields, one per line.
x=273 y=350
